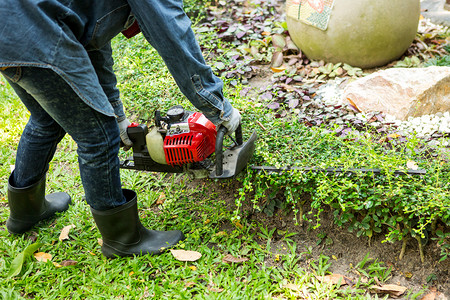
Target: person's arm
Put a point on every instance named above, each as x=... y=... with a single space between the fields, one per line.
x=103 y=64
x=168 y=29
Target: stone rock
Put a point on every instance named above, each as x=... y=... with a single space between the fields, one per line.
x=402 y=92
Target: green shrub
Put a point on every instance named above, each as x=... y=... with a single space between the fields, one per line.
x=397 y=205
x=443 y=61
x=196 y=8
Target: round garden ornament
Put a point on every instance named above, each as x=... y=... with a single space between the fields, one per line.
x=362 y=33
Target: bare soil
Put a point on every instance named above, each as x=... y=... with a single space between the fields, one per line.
x=344 y=248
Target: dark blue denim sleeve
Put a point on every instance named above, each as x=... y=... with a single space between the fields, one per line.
x=103 y=64
x=168 y=29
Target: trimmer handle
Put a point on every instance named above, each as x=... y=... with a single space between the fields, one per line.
x=221 y=132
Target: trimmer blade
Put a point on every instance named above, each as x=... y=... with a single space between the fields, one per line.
x=236 y=158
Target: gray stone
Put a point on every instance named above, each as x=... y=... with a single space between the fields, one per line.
x=435 y=11
x=402 y=92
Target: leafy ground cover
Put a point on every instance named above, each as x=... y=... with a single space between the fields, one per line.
x=281 y=236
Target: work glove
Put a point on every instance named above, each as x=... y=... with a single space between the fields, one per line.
x=232 y=124
x=123 y=125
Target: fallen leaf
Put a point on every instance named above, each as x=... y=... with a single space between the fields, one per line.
x=64 y=235
x=394 y=135
x=216 y=290
x=391 y=289
x=56 y=264
x=100 y=241
x=231 y=259
x=412 y=165
x=238 y=224
x=68 y=262
x=291 y=286
x=189 y=284
x=161 y=199
x=273 y=105
x=17 y=263
x=261 y=125
x=287 y=87
x=221 y=233
x=277 y=59
x=279 y=69
x=430 y=296
x=290 y=44
x=42 y=256
x=333 y=279
x=183 y=255
x=408 y=275
x=278 y=41
x=353 y=105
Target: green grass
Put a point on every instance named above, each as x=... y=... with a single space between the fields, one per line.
x=192 y=206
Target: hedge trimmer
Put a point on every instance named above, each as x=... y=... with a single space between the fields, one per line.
x=187 y=142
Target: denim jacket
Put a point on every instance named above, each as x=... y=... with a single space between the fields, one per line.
x=72 y=37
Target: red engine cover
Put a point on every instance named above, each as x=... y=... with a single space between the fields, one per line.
x=190 y=142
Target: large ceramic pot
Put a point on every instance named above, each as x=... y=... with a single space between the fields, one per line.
x=362 y=33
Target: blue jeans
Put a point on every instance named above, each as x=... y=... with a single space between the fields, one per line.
x=56 y=109
x=71 y=37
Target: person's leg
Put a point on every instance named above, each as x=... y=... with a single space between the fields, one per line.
x=37 y=143
x=97 y=136
x=26 y=185
x=55 y=108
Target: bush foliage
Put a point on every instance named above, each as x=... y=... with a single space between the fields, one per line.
x=398 y=205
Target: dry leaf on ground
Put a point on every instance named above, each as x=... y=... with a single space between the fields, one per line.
x=231 y=259
x=42 y=256
x=161 y=199
x=353 y=105
x=238 y=224
x=68 y=262
x=394 y=135
x=183 y=255
x=412 y=165
x=391 y=289
x=334 y=279
x=292 y=287
x=278 y=69
x=64 y=235
x=430 y=296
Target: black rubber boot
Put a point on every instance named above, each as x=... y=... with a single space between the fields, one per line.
x=29 y=205
x=124 y=235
